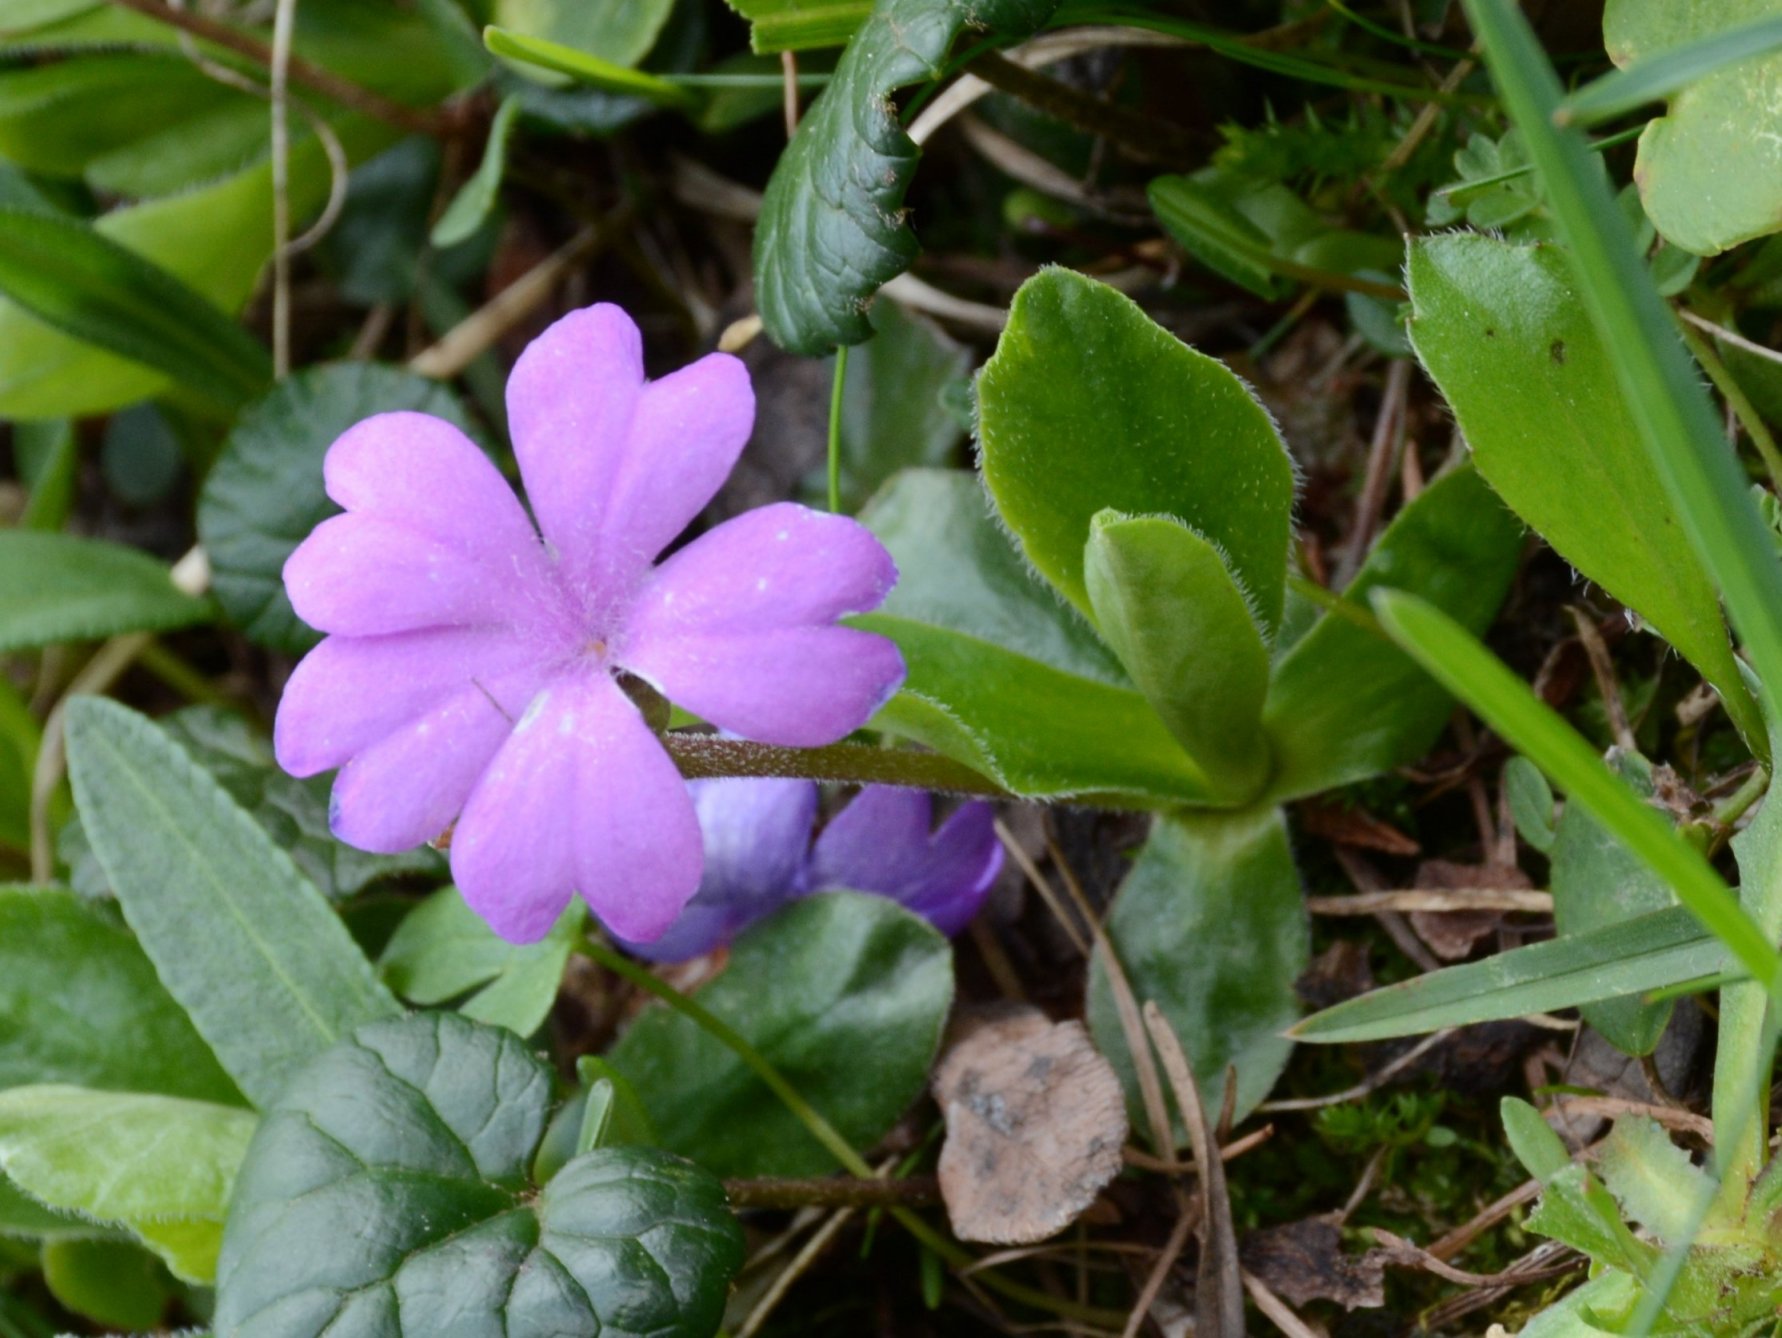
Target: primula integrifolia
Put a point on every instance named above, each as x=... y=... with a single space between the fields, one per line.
x=759 y=856
x=470 y=667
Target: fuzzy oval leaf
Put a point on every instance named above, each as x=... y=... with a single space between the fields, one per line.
x=386 y=1194
x=1564 y=451
x=161 y=1166
x=1088 y=403
x=1003 y=675
x=1210 y=925
x=832 y=228
x=249 y=947
x=1166 y=602
x=1710 y=171
x=60 y=587
x=91 y=288
x=1344 y=702
x=265 y=494
x=442 y=950
x=845 y=995
x=81 y=1004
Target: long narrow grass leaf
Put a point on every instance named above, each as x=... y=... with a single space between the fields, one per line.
x=1669 y=72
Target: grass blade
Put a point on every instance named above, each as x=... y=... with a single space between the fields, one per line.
x=1670 y=72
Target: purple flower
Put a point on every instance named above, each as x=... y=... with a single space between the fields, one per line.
x=469 y=671
x=759 y=856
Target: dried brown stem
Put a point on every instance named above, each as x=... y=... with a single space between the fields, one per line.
x=834 y=1192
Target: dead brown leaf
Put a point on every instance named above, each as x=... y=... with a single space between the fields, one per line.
x=1035 y=1122
x=1452 y=935
x=1304 y=1261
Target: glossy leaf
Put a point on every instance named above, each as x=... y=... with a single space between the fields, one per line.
x=1344 y=703
x=1709 y=169
x=95 y=290
x=831 y=228
x=1166 y=603
x=387 y=1194
x=60 y=587
x=1652 y=952
x=1088 y=403
x=475 y=199
x=265 y=494
x=620 y=31
x=1211 y=926
x=80 y=1004
x=541 y=54
x=159 y=1165
x=844 y=994
x=1486 y=314
x=442 y=950
x=1002 y=674
x=1597 y=881
x=272 y=978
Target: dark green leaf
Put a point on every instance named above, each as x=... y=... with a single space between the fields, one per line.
x=1345 y=703
x=265 y=969
x=1089 y=404
x=1663 y=949
x=1003 y=675
x=98 y=291
x=58 y=587
x=265 y=493
x=831 y=229
x=112 y=1282
x=844 y=994
x=1487 y=314
x=443 y=950
x=80 y=1003
x=1167 y=604
x=1211 y=926
x=386 y=1194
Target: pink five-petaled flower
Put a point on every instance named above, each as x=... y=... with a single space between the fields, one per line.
x=469 y=668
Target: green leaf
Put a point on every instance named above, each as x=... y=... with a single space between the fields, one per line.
x=1653 y=1179
x=1211 y=926
x=442 y=950
x=538 y=53
x=265 y=969
x=80 y=1004
x=216 y=240
x=831 y=228
x=1652 y=952
x=1676 y=421
x=160 y=1165
x=1344 y=703
x=1709 y=170
x=1531 y=803
x=386 y=1194
x=58 y=587
x=265 y=493
x=1488 y=314
x=1168 y=606
x=476 y=197
x=1532 y=1139
x=22 y=1216
x=1577 y=1210
x=1671 y=70
x=619 y=31
x=1088 y=403
x=46 y=454
x=1597 y=881
x=1527 y=724
x=844 y=994
x=112 y=1282
x=186 y=156
x=74 y=278
x=1210 y=227
x=797 y=25
x=1003 y=675
x=893 y=416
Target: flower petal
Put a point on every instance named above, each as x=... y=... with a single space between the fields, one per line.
x=757 y=836
x=571 y=400
x=350 y=692
x=407 y=788
x=881 y=843
x=362 y=575
x=735 y=627
x=581 y=798
x=421 y=472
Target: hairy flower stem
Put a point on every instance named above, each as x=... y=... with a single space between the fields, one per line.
x=705 y=756
x=826 y=1134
